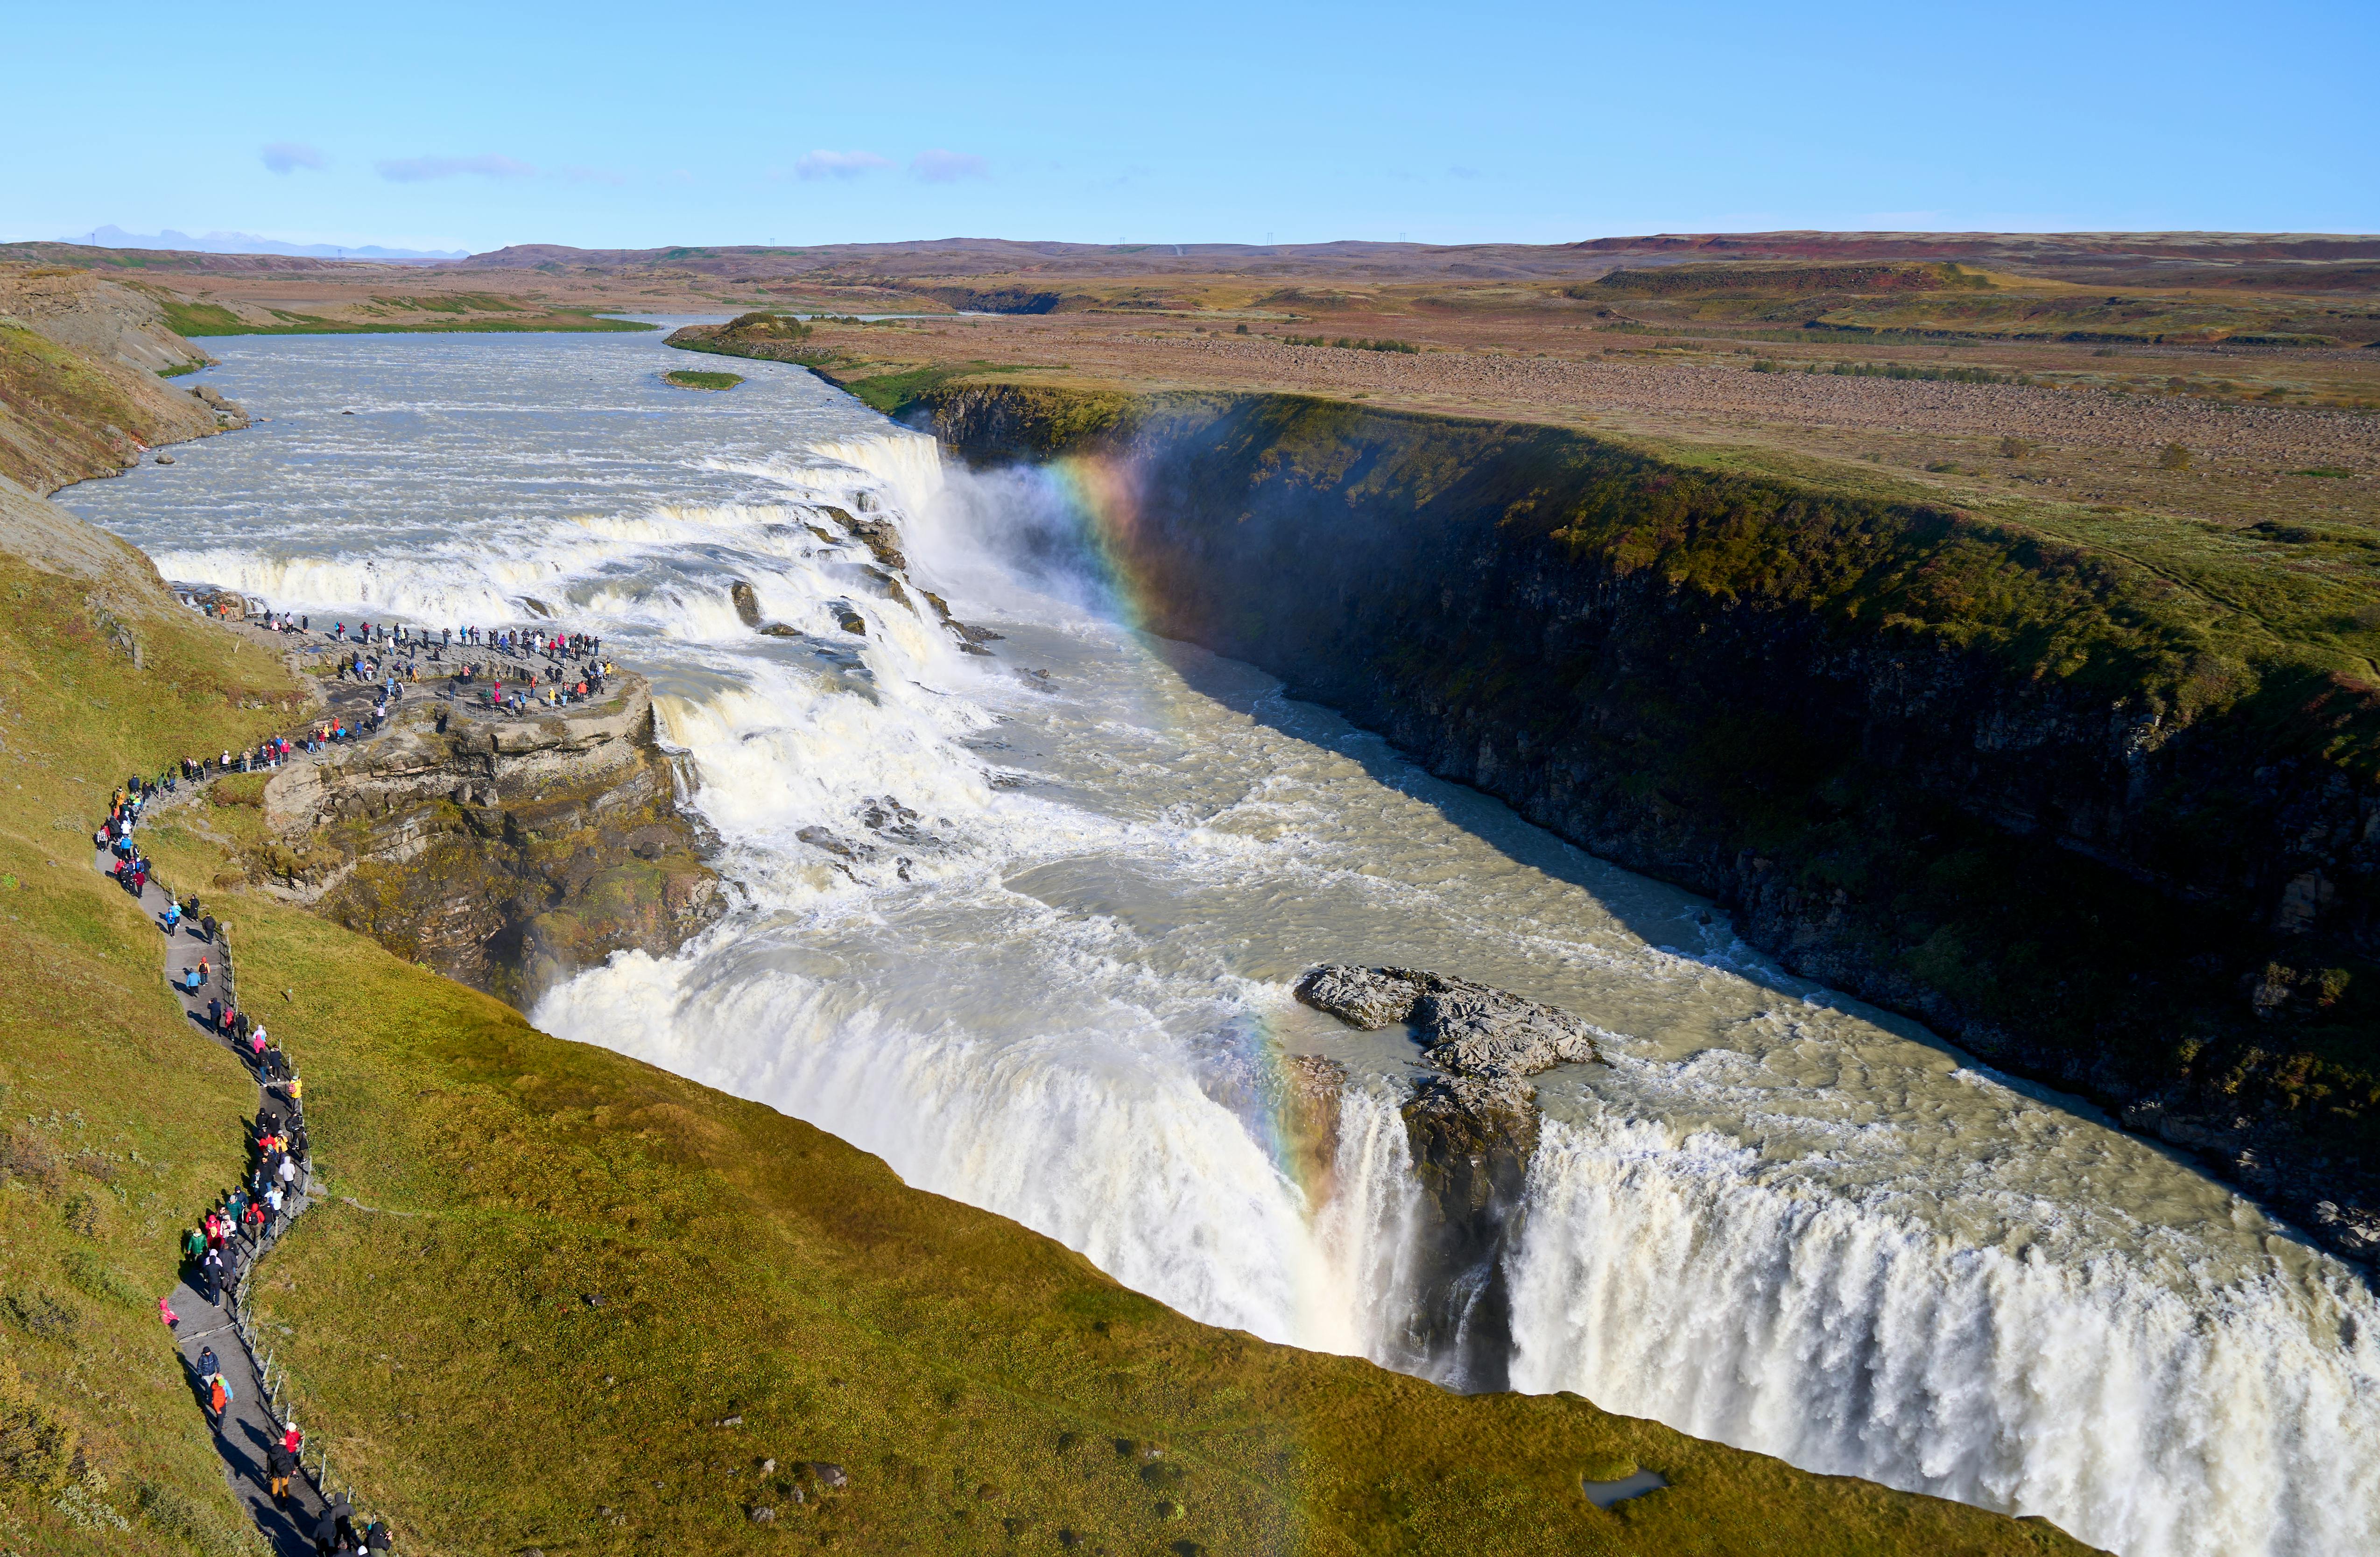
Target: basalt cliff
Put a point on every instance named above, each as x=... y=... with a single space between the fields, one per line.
x=2092 y=822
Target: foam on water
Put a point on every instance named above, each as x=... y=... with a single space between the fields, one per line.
x=1061 y=990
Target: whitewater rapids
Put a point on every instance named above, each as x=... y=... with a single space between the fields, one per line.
x=1053 y=980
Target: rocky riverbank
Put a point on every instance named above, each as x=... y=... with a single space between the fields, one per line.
x=2101 y=826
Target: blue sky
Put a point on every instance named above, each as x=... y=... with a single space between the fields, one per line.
x=443 y=125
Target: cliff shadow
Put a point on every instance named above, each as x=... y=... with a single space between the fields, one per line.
x=1664 y=917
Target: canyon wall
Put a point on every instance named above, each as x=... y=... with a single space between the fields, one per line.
x=2100 y=828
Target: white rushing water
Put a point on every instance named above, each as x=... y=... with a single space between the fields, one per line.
x=1052 y=980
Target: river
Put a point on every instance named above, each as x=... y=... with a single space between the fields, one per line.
x=1053 y=980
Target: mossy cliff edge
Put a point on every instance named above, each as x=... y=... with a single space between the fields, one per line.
x=553 y=1298
x=2100 y=821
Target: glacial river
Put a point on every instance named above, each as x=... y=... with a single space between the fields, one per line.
x=1062 y=991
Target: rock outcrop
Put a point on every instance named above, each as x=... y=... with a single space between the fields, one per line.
x=505 y=853
x=1465 y=1029
x=1471 y=1141
x=1471 y=1130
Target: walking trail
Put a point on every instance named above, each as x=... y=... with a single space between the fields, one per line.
x=248 y=1426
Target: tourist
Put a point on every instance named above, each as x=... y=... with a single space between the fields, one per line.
x=207 y=1365
x=218 y=1397
x=280 y=1465
x=165 y=1312
x=210 y=1276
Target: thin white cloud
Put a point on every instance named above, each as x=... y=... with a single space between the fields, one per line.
x=595 y=176
x=413 y=170
x=287 y=156
x=939 y=167
x=1460 y=172
x=838 y=164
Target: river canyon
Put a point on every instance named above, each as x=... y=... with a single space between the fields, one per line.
x=1025 y=923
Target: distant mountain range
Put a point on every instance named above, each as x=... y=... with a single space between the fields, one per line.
x=250 y=243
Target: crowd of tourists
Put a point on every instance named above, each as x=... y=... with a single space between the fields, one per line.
x=393 y=657
x=248 y=1218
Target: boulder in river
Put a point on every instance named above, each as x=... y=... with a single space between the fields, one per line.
x=747 y=601
x=1465 y=1029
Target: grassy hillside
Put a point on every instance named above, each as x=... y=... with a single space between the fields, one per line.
x=120 y=1127
x=564 y=1300
x=65 y=417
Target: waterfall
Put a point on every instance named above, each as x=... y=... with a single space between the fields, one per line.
x=1023 y=925
x=1664 y=1278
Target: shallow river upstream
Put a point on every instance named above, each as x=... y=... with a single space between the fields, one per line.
x=1062 y=991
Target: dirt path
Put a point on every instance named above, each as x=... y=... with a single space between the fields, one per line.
x=248 y=1426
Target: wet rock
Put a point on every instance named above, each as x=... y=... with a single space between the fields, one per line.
x=747 y=603
x=779 y=629
x=848 y=619
x=1308 y=1110
x=1471 y=1140
x=886 y=812
x=820 y=838
x=165 y=459
x=1467 y=1028
x=880 y=536
x=1474 y=1030
x=1366 y=998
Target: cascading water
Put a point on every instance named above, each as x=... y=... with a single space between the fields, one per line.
x=1023 y=925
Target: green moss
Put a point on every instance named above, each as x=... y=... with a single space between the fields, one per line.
x=683 y=379
x=185 y=318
